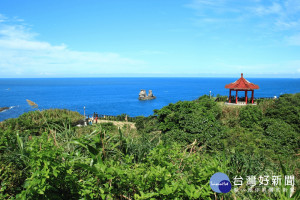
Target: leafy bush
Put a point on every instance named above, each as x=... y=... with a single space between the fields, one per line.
x=265 y=104
x=287 y=108
x=147 y=124
x=186 y=121
x=249 y=116
x=167 y=173
x=221 y=98
x=109 y=126
x=280 y=136
x=39 y=121
x=230 y=116
x=51 y=173
x=12 y=176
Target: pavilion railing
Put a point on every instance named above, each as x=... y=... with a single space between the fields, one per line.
x=240 y=99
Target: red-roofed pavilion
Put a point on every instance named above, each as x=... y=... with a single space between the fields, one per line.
x=241 y=85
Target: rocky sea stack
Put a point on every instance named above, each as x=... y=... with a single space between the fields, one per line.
x=143 y=95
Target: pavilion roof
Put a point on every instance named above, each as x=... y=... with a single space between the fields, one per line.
x=242 y=84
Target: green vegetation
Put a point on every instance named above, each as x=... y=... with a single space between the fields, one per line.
x=170 y=155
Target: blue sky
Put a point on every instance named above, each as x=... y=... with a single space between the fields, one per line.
x=156 y=38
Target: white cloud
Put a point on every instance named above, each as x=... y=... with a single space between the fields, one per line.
x=273 y=17
x=292 y=6
x=275 y=8
x=2 y=18
x=22 y=55
x=293 y=40
x=286 y=25
x=150 y=52
x=286 y=67
x=283 y=13
x=219 y=7
x=197 y=4
x=23 y=44
x=15 y=31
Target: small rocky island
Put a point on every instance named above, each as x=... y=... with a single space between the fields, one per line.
x=3 y=108
x=143 y=95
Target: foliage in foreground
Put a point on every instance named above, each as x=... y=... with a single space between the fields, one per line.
x=171 y=156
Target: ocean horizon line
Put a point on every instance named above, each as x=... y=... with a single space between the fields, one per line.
x=158 y=77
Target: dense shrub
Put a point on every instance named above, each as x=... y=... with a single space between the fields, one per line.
x=265 y=104
x=220 y=98
x=280 y=136
x=51 y=174
x=166 y=173
x=287 y=108
x=12 y=177
x=187 y=121
x=109 y=126
x=39 y=121
x=147 y=124
x=249 y=116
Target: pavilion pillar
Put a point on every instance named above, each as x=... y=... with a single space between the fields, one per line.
x=230 y=96
x=236 y=97
x=246 y=96
x=252 y=98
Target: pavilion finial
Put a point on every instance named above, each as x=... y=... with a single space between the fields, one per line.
x=242 y=75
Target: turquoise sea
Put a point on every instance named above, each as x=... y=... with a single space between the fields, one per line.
x=114 y=96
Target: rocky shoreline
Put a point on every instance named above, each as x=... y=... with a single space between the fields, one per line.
x=4 y=108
